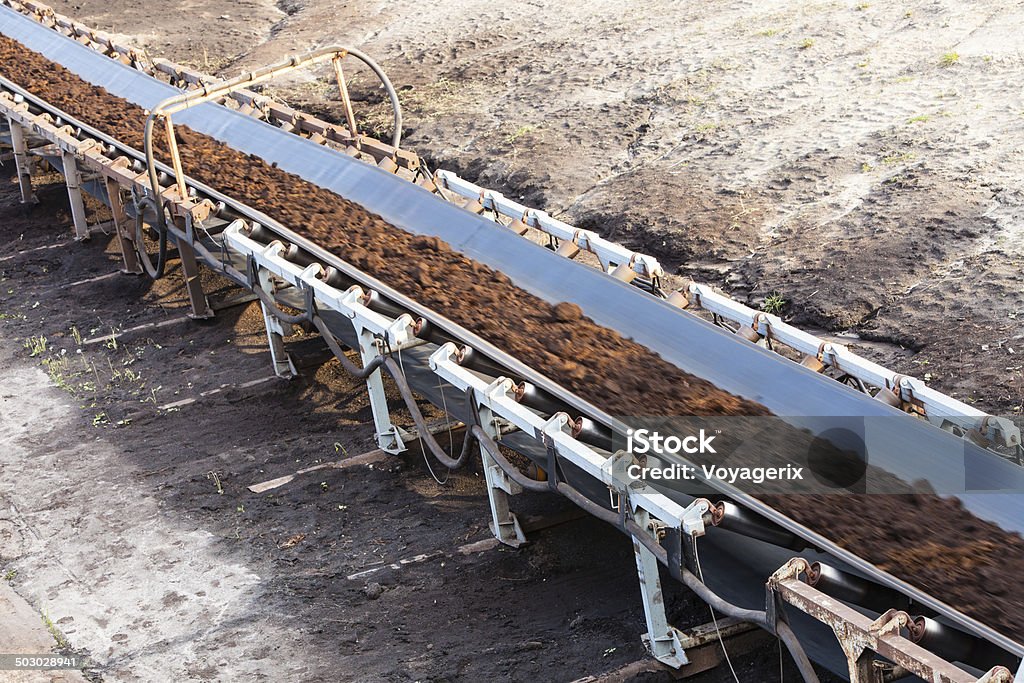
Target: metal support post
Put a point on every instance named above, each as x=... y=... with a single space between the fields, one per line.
x=387 y=435
x=22 y=162
x=190 y=271
x=74 y=182
x=504 y=524
x=661 y=639
x=124 y=238
x=282 y=362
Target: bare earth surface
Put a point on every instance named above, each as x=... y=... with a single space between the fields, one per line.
x=863 y=160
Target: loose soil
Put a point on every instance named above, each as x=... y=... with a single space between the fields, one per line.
x=449 y=283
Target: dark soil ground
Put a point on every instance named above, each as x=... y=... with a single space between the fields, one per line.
x=449 y=282
x=562 y=607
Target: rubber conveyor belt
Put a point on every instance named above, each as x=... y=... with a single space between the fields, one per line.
x=906 y=447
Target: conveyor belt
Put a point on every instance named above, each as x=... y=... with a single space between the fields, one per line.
x=906 y=447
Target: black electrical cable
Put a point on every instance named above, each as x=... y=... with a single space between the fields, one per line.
x=271 y=304
x=149 y=203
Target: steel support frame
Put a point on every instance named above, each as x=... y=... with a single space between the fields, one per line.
x=377 y=334
x=662 y=640
x=77 y=154
x=279 y=358
x=190 y=267
x=504 y=523
x=73 y=179
x=371 y=347
x=862 y=638
x=125 y=237
x=650 y=509
x=22 y=162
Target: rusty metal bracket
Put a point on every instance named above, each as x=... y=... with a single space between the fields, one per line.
x=861 y=638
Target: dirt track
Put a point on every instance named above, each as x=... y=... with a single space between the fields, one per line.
x=371 y=244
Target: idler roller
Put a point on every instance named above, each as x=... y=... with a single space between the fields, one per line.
x=294 y=254
x=954 y=645
x=728 y=515
x=335 y=278
x=260 y=234
x=854 y=589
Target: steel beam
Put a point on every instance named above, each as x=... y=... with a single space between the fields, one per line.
x=22 y=162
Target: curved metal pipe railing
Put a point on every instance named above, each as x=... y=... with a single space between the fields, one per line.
x=185 y=100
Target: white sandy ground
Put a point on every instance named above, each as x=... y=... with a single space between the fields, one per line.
x=22 y=632
x=145 y=593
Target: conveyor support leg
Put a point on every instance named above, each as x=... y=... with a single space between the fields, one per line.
x=22 y=162
x=661 y=639
x=504 y=524
x=125 y=240
x=73 y=179
x=283 y=366
x=388 y=438
x=193 y=285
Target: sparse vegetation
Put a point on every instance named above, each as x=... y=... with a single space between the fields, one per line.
x=213 y=476
x=862 y=6
x=58 y=637
x=10 y=574
x=768 y=32
x=518 y=133
x=920 y=118
x=36 y=346
x=807 y=43
x=894 y=158
x=949 y=59
x=773 y=303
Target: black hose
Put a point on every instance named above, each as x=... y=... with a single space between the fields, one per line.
x=350 y=367
x=513 y=472
x=796 y=651
x=154 y=271
x=271 y=305
x=393 y=369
